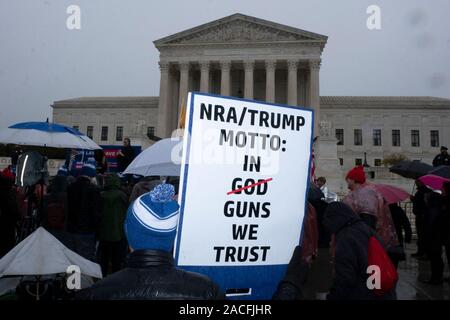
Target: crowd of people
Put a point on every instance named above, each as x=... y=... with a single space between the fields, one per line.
x=129 y=226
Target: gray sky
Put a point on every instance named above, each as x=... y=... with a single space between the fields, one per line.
x=113 y=55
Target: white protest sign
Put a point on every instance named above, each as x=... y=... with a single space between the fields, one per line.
x=243 y=183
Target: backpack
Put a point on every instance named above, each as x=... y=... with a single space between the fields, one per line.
x=377 y=256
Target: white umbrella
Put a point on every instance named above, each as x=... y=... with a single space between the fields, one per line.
x=42 y=254
x=46 y=134
x=161 y=159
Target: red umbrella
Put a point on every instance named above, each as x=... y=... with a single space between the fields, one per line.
x=432 y=181
x=390 y=193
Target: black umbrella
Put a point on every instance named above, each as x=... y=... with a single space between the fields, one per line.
x=441 y=171
x=411 y=169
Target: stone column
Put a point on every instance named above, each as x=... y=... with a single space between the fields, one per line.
x=270 y=80
x=249 y=66
x=164 y=107
x=306 y=78
x=225 y=67
x=314 y=91
x=292 y=82
x=184 y=83
x=204 y=76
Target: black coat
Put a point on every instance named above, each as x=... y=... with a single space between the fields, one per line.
x=9 y=215
x=418 y=201
x=446 y=219
x=290 y=287
x=84 y=206
x=441 y=160
x=124 y=161
x=149 y=275
x=435 y=222
x=352 y=241
x=401 y=223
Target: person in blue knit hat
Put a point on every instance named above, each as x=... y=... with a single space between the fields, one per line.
x=89 y=168
x=150 y=227
x=152 y=220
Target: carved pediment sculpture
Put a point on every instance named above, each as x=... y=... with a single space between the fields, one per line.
x=237 y=31
x=239 y=28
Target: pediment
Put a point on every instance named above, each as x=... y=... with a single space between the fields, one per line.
x=240 y=28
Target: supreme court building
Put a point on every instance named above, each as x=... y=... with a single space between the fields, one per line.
x=251 y=58
x=239 y=56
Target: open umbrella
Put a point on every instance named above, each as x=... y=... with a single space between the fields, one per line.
x=39 y=255
x=42 y=254
x=411 y=169
x=46 y=134
x=441 y=171
x=434 y=182
x=390 y=193
x=161 y=159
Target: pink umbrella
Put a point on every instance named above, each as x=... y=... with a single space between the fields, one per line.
x=390 y=193
x=433 y=182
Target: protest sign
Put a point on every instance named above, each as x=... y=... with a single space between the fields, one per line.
x=243 y=188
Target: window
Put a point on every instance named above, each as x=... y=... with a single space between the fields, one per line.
x=340 y=136
x=377 y=137
x=341 y=161
x=377 y=162
x=104 y=136
x=415 y=138
x=119 y=133
x=358 y=162
x=434 y=135
x=150 y=131
x=90 y=131
x=358 y=137
x=76 y=127
x=396 y=138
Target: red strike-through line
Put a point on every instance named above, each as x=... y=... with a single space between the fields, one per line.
x=250 y=186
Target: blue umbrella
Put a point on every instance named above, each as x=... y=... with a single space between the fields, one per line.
x=46 y=134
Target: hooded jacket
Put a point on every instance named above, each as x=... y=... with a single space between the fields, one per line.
x=352 y=241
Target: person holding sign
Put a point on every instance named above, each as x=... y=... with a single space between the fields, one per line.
x=150 y=227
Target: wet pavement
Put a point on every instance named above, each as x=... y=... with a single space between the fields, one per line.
x=411 y=274
x=410 y=286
